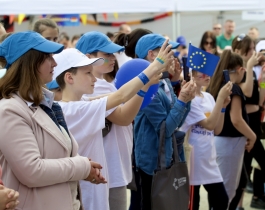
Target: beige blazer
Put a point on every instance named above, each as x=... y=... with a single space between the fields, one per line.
x=33 y=155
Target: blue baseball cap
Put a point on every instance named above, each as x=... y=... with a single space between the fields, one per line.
x=181 y=40
x=52 y=85
x=95 y=41
x=151 y=42
x=16 y=45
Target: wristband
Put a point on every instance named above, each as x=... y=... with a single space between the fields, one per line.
x=141 y=93
x=223 y=110
x=160 y=60
x=143 y=78
x=181 y=103
x=262 y=85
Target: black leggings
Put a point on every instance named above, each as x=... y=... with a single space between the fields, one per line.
x=146 y=185
x=217 y=196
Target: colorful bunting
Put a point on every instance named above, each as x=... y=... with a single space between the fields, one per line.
x=95 y=17
x=83 y=18
x=74 y=20
x=11 y=19
x=105 y=16
x=21 y=18
x=116 y=15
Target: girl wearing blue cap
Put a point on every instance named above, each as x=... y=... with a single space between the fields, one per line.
x=50 y=31
x=38 y=153
x=165 y=106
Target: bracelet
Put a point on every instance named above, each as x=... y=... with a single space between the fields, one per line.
x=143 y=78
x=262 y=85
x=160 y=60
x=141 y=93
x=223 y=110
x=181 y=103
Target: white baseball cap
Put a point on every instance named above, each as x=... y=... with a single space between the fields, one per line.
x=72 y=57
x=260 y=46
x=2 y=72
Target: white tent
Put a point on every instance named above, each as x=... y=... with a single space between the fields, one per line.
x=219 y=5
x=35 y=7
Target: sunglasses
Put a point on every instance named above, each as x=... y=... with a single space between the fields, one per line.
x=208 y=43
x=217 y=28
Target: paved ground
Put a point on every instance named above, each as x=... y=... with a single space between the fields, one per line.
x=204 y=203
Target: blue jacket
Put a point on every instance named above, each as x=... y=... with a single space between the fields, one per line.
x=147 y=128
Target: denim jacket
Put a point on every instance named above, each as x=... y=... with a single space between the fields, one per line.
x=147 y=128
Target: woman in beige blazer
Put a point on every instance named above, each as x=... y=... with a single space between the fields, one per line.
x=37 y=153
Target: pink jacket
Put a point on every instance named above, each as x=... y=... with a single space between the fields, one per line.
x=33 y=155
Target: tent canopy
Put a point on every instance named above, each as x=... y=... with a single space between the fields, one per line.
x=219 y=5
x=38 y=7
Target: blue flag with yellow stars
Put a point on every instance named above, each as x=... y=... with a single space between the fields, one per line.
x=202 y=61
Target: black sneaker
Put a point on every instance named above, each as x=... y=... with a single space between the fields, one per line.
x=249 y=187
x=257 y=203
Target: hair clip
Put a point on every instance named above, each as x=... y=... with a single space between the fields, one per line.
x=241 y=37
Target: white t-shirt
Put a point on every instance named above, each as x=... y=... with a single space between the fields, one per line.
x=117 y=144
x=203 y=166
x=85 y=120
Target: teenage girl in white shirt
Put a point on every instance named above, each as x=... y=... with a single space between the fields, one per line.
x=204 y=120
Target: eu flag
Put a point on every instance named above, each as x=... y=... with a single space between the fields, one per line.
x=202 y=61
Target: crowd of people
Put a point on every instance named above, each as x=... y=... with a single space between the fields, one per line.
x=71 y=140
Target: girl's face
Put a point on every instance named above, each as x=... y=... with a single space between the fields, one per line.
x=202 y=80
x=249 y=53
x=208 y=45
x=50 y=34
x=84 y=80
x=108 y=65
x=46 y=70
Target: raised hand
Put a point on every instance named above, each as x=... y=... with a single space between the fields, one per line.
x=254 y=60
x=225 y=91
x=188 y=91
x=165 y=56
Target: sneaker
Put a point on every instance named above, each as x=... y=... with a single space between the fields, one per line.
x=249 y=187
x=257 y=203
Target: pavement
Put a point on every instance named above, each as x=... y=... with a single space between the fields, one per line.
x=204 y=202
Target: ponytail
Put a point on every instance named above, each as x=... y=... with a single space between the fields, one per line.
x=228 y=61
x=130 y=40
